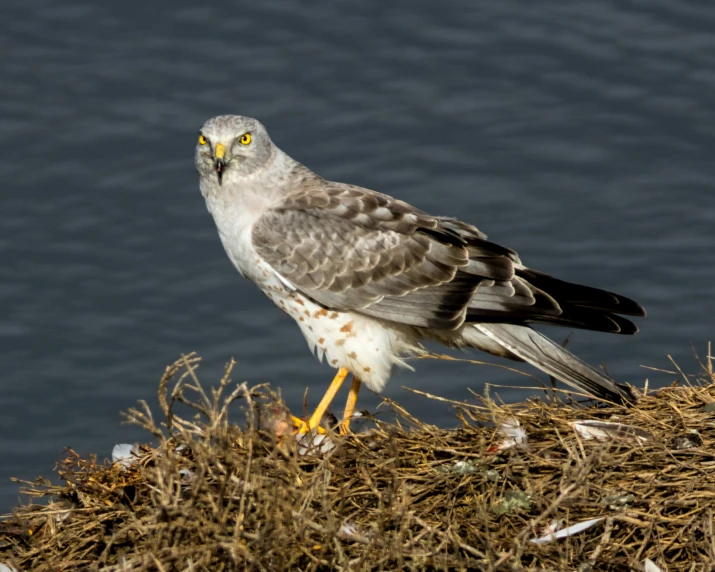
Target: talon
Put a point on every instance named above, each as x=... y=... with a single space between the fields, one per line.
x=300 y=427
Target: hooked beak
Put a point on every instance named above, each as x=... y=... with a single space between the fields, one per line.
x=219 y=161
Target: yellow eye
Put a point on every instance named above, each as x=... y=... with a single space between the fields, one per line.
x=202 y=140
x=245 y=139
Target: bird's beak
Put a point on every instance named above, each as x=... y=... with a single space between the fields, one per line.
x=220 y=162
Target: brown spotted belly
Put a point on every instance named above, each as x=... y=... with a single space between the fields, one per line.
x=367 y=347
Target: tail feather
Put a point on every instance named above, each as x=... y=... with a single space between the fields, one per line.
x=540 y=351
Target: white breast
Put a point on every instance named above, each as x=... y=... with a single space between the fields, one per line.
x=234 y=220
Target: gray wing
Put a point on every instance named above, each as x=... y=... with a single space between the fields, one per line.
x=349 y=248
x=368 y=253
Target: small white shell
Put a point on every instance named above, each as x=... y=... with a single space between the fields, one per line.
x=564 y=532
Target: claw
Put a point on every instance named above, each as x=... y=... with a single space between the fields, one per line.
x=300 y=427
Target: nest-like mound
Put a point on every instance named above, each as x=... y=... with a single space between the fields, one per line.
x=403 y=495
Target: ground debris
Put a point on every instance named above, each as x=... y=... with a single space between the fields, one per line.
x=210 y=494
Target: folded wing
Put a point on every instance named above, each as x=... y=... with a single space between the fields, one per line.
x=348 y=248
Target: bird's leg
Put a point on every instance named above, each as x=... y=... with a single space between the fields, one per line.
x=350 y=405
x=314 y=421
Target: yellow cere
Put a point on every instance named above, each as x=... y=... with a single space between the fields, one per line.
x=245 y=139
x=202 y=140
x=220 y=151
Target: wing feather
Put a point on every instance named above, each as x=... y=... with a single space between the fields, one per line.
x=349 y=248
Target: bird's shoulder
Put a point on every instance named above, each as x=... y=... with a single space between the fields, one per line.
x=331 y=202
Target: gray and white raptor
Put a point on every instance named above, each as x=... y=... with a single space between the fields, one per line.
x=367 y=277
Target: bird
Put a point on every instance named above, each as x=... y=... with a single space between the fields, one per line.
x=368 y=278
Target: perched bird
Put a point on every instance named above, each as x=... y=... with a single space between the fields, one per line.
x=367 y=277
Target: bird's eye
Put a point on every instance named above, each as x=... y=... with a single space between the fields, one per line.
x=202 y=139
x=245 y=139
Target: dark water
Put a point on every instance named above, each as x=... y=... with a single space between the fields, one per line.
x=580 y=134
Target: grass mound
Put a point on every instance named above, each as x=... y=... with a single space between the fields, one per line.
x=404 y=495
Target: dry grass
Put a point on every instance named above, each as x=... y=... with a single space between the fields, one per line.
x=215 y=496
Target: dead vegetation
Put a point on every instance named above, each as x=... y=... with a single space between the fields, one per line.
x=215 y=496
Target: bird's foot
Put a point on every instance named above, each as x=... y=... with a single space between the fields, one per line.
x=301 y=427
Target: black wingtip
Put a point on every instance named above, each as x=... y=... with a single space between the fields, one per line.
x=568 y=293
x=628 y=307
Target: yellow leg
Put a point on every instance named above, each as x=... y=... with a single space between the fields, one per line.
x=350 y=405
x=338 y=380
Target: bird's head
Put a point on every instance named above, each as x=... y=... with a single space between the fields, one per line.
x=231 y=147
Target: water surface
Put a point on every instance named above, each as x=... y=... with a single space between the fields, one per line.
x=579 y=134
